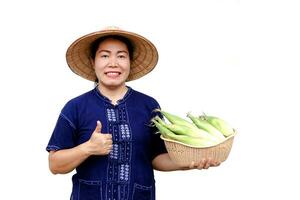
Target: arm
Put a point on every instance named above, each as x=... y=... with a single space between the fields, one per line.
x=66 y=160
x=163 y=162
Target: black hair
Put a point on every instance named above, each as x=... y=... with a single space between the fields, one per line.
x=126 y=41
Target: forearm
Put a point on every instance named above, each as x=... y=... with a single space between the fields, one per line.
x=163 y=162
x=66 y=160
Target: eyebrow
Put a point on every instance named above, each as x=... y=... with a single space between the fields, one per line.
x=107 y=51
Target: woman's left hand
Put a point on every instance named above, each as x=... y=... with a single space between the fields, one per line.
x=204 y=164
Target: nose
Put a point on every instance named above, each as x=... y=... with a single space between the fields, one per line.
x=113 y=61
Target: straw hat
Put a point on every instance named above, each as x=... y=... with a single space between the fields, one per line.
x=144 y=58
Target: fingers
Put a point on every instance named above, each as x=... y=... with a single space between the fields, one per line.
x=108 y=136
x=107 y=139
x=207 y=164
x=216 y=164
x=192 y=165
x=199 y=165
x=98 y=127
x=107 y=149
x=204 y=164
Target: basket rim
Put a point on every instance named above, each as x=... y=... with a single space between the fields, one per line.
x=226 y=139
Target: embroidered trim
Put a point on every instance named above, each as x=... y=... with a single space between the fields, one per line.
x=115 y=151
x=125 y=133
x=118 y=170
x=111 y=115
x=124 y=172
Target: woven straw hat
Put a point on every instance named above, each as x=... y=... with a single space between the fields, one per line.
x=144 y=58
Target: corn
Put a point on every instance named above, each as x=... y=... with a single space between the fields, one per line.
x=219 y=124
x=204 y=131
x=178 y=129
x=181 y=126
x=167 y=133
x=175 y=119
x=204 y=125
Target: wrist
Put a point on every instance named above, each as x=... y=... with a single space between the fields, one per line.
x=85 y=148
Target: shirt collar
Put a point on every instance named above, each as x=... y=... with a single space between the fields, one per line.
x=104 y=98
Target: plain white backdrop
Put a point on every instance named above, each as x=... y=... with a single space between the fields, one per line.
x=237 y=60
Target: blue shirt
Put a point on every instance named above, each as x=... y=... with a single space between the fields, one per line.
x=126 y=173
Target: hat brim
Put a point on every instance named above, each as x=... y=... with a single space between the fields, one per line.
x=144 y=58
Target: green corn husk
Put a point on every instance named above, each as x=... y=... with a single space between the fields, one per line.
x=180 y=128
x=219 y=124
x=204 y=125
x=174 y=119
x=166 y=133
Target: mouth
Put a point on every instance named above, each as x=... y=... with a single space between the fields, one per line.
x=112 y=74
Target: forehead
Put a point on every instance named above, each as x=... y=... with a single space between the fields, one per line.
x=112 y=43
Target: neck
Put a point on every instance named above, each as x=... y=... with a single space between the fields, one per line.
x=113 y=93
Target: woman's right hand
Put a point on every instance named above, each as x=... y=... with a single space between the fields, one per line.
x=65 y=160
x=99 y=143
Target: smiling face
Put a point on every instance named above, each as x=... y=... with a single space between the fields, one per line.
x=112 y=63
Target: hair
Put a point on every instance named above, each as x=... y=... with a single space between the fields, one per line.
x=95 y=45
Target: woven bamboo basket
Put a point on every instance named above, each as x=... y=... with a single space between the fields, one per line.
x=184 y=155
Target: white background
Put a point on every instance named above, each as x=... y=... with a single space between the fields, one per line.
x=237 y=60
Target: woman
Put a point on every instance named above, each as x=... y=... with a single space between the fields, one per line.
x=104 y=134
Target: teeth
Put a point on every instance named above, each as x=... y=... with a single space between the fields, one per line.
x=112 y=74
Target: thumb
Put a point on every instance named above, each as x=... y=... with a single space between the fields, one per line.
x=98 y=127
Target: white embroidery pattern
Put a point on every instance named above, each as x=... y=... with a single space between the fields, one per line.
x=111 y=115
x=125 y=133
x=124 y=172
x=115 y=151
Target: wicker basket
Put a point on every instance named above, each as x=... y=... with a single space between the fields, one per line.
x=183 y=154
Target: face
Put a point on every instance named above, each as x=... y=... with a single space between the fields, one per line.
x=112 y=63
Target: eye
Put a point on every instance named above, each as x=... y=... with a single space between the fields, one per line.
x=122 y=56
x=104 y=56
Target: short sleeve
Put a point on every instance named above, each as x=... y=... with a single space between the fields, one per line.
x=64 y=133
x=156 y=142
x=158 y=145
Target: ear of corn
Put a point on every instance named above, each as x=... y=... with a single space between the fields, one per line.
x=167 y=133
x=177 y=129
x=180 y=128
x=163 y=130
x=204 y=131
x=203 y=124
x=174 y=119
x=219 y=124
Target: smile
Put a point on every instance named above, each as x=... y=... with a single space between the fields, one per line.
x=112 y=74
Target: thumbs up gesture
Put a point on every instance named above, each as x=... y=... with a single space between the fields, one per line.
x=99 y=143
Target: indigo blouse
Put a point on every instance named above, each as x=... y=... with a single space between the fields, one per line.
x=126 y=173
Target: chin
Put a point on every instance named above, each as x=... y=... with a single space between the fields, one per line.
x=113 y=83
